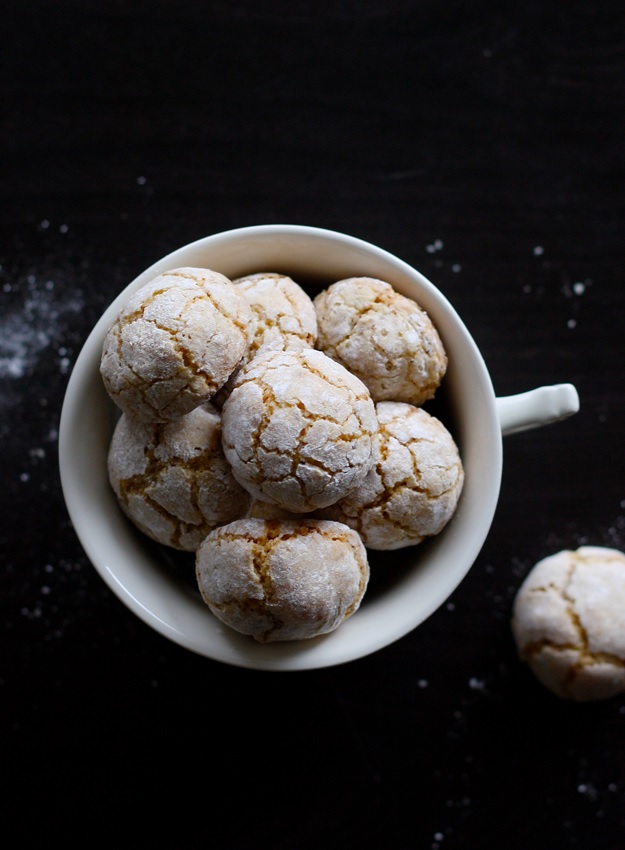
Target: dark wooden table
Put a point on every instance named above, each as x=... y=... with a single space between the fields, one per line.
x=484 y=144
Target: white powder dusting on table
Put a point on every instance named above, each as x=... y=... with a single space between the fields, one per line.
x=30 y=329
x=433 y=247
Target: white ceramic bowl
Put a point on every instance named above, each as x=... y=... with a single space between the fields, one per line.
x=407 y=586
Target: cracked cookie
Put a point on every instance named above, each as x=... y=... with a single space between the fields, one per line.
x=175 y=343
x=381 y=336
x=172 y=479
x=412 y=490
x=298 y=429
x=280 y=580
x=285 y=316
x=567 y=623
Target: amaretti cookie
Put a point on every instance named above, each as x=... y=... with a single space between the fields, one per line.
x=568 y=623
x=412 y=490
x=281 y=580
x=175 y=343
x=384 y=338
x=286 y=319
x=298 y=429
x=172 y=480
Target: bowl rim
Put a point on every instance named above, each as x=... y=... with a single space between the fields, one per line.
x=351 y=640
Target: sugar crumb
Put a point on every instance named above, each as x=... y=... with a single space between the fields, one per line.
x=434 y=246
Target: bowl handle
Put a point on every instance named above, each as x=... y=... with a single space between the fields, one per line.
x=536 y=407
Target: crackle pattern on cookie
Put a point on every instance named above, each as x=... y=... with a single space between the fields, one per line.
x=285 y=315
x=384 y=338
x=278 y=580
x=568 y=622
x=413 y=488
x=298 y=429
x=173 y=480
x=285 y=319
x=175 y=343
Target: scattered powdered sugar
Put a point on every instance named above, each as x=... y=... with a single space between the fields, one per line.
x=33 y=327
x=39 y=593
x=576 y=289
x=433 y=247
x=588 y=790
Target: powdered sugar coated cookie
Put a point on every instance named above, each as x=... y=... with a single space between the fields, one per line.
x=175 y=343
x=568 y=622
x=298 y=429
x=285 y=318
x=172 y=480
x=285 y=315
x=279 y=580
x=412 y=490
x=381 y=336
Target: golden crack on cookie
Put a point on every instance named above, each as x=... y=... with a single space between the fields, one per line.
x=276 y=579
x=585 y=657
x=565 y=622
x=172 y=479
x=326 y=429
x=412 y=490
x=383 y=337
x=175 y=344
x=284 y=312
